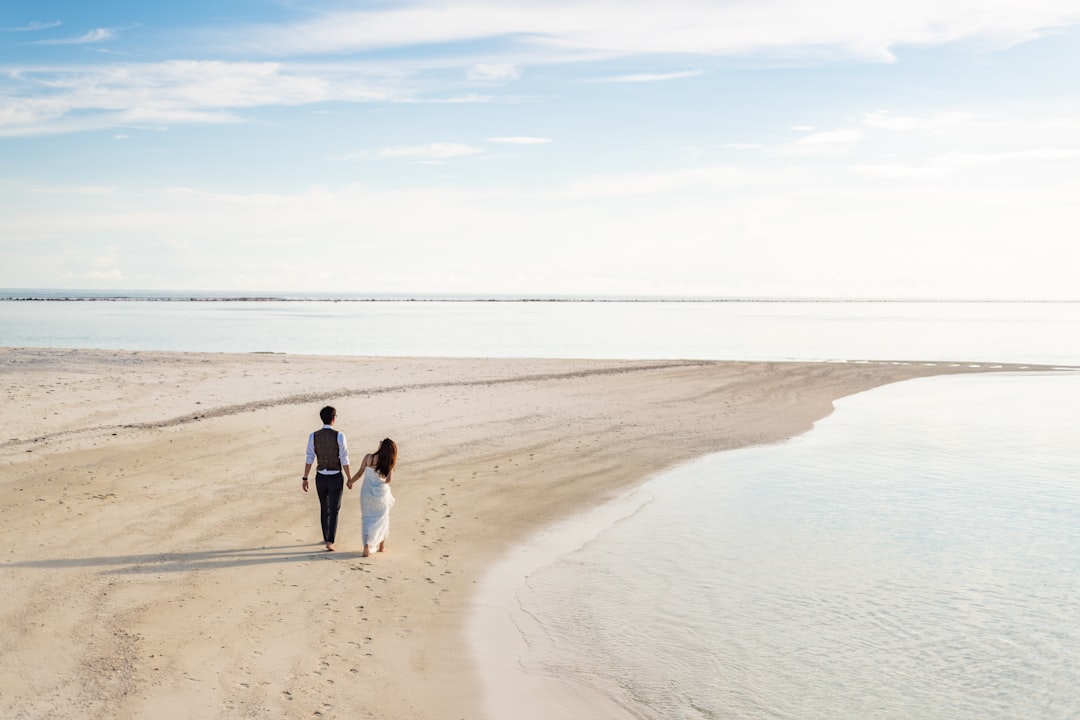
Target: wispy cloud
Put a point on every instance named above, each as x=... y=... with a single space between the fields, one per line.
x=92 y=36
x=955 y=162
x=41 y=101
x=467 y=99
x=431 y=151
x=35 y=102
x=885 y=120
x=826 y=142
x=521 y=140
x=633 y=184
x=493 y=72
x=36 y=26
x=653 y=77
x=640 y=27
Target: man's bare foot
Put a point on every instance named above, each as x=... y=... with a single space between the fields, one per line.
x=329 y=547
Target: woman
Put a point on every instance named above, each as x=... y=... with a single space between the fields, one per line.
x=375 y=496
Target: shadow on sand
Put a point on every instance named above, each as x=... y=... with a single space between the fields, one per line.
x=182 y=562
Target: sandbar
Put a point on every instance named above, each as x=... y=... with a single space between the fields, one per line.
x=159 y=559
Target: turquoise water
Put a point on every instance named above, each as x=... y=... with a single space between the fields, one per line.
x=916 y=555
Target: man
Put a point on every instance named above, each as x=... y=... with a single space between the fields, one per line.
x=328 y=446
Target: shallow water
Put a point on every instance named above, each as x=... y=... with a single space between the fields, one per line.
x=999 y=332
x=916 y=555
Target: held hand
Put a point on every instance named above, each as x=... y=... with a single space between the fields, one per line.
x=349 y=484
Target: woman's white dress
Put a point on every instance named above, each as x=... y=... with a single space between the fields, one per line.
x=375 y=503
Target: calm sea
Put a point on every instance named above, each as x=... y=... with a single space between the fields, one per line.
x=1001 y=332
x=916 y=555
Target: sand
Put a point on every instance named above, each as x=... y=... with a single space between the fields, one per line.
x=159 y=559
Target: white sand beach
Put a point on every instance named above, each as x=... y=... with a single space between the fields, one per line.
x=159 y=559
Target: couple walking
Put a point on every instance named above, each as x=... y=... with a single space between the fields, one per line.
x=329 y=452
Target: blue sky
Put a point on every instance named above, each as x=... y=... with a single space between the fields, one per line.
x=769 y=148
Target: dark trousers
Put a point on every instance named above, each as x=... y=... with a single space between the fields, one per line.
x=330 y=489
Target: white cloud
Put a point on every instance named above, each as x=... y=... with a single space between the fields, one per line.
x=827 y=142
x=847 y=28
x=469 y=99
x=519 y=140
x=493 y=72
x=181 y=91
x=92 y=36
x=885 y=120
x=955 y=162
x=39 y=100
x=832 y=137
x=654 y=77
x=431 y=151
x=638 y=184
x=36 y=26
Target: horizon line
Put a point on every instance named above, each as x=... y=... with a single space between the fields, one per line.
x=141 y=295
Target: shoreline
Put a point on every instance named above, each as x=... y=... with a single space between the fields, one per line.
x=144 y=489
x=498 y=643
x=538 y=623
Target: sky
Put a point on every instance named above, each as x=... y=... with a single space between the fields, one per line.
x=697 y=148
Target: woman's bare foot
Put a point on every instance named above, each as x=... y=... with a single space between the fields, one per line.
x=365 y=553
x=382 y=546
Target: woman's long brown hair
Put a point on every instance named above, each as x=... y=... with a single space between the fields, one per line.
x=386 y=457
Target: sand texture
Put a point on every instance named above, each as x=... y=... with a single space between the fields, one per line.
x=159 y=560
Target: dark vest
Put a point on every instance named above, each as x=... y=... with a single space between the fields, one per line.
x=326 y=450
